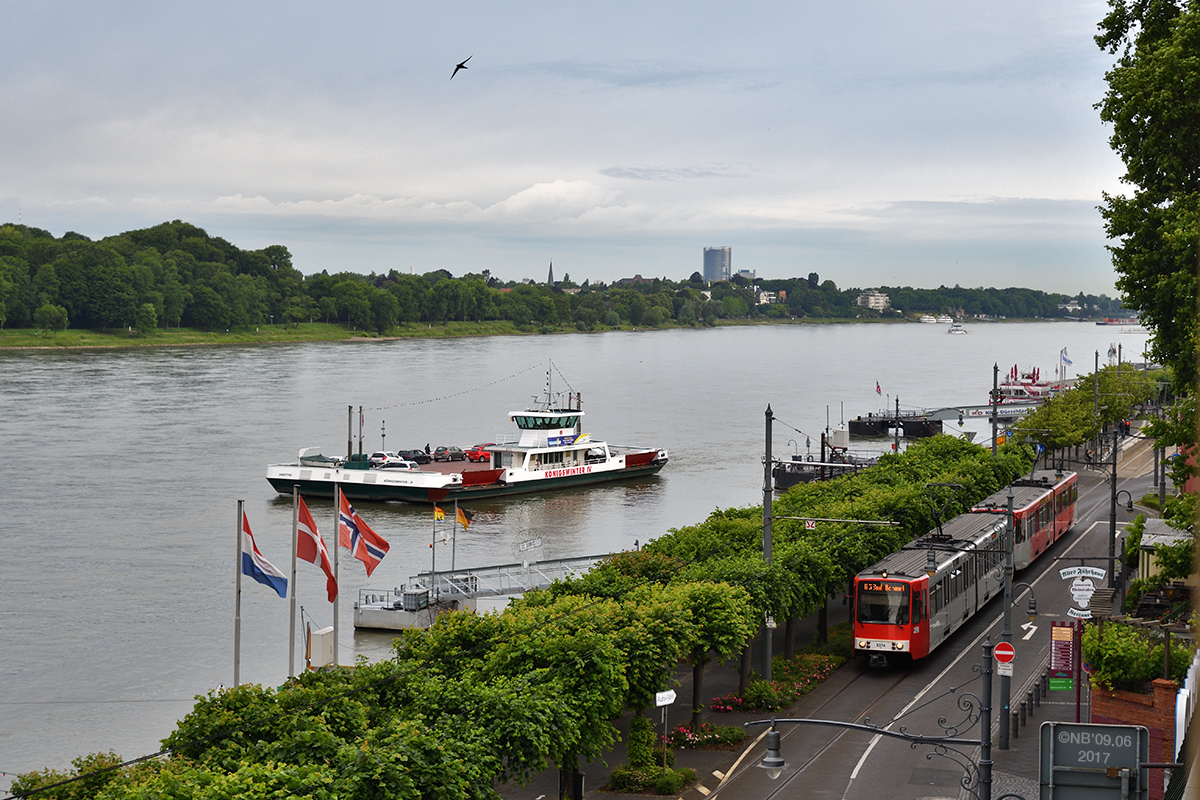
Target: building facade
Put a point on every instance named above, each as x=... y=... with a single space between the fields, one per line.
x=717 y=264
x=873 y=298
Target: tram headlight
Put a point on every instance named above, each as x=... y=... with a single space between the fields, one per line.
x=862 y=644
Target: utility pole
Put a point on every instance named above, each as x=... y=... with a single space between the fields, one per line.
x=995 y=400
x=1112 y=516
x=1006 y=630
x=768 y=491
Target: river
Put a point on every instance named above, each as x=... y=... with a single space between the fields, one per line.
x=121 y=470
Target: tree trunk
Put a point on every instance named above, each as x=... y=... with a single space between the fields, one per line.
x=744 y=671
x=823 y=621
x=698 y=662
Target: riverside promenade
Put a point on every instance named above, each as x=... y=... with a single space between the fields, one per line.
x=1015 y=770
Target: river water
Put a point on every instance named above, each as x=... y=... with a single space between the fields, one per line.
x=120 y=473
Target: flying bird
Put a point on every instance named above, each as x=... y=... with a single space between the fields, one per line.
x=461 y=65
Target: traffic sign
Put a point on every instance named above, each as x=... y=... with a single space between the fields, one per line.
x=664 y=698
x=1004 y=652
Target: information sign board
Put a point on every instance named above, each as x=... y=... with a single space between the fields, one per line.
x=1004 y=668
x=1084 y=762
x=664 y=698
x=1062 y=646
x=1060 y=684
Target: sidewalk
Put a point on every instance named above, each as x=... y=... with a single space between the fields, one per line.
x=1017 y=768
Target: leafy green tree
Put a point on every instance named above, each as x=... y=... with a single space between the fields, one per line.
x=1153 y=106
x=208 y=310
x=147 y=319
x=50 y=317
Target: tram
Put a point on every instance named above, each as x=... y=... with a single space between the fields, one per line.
x=910 y=602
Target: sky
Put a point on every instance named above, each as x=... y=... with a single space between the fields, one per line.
x=923 y=143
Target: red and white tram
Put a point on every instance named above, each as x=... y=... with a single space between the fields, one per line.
x=901 y=611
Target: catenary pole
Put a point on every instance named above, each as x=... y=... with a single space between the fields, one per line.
x=1006 y=629
x=768 y=490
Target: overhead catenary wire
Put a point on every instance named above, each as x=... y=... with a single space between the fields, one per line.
x=455 y=394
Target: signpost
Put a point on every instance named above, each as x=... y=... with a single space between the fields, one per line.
x=1062 y=655
x=1093 y=762
x=1004 y=653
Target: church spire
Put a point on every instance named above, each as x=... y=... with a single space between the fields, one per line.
x=550 y=279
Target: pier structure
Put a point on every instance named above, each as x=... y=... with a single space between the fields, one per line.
x=417 y=603
x=922 y=422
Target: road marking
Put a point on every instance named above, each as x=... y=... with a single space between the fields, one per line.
x=1032 y=630
x=718 y=774
x=702 y=789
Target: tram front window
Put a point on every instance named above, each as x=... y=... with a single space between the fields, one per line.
x=882 y=602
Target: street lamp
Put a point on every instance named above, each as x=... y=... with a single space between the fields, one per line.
x=773 y=762
x=1129 y=502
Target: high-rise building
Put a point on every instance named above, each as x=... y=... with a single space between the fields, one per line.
x=716 y=264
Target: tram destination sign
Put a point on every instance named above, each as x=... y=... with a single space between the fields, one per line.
x=1085 y=762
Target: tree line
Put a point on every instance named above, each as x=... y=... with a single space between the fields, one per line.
x=176 y=274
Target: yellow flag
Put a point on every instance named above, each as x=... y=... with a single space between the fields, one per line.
x=438 y=513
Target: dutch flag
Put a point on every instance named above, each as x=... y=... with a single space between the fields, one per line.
x=256 y=567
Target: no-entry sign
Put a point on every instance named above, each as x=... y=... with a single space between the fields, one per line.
x=1004 y=652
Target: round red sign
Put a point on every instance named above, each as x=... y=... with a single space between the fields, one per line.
x=1004 y=652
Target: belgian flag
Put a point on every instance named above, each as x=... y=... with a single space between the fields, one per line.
x=464 y=518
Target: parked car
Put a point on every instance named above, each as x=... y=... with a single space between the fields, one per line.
x=381 y=457
x=399 y=463
x=419 y=456
x=449 y=453
x=480 y=452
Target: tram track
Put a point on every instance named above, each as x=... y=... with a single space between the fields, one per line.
x=845 y=691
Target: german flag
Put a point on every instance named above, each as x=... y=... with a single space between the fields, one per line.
x=438 y=513
x=464 y=518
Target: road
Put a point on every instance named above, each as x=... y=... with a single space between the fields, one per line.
x=826 y=762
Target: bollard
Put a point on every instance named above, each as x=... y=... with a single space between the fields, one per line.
x=1036 y=696
x=1016 y=718
x=1046 y=682
x=1022 y=713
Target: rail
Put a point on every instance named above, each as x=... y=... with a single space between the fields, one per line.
x=503 y=579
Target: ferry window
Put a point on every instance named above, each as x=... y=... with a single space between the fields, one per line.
x=882 y=602
x=552 y=458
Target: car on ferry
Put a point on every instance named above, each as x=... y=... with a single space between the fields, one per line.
x=417 y=454
x=449 y=453
x=480 y=452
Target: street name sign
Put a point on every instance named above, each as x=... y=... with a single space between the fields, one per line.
x=664 y=698
x=1085 y=762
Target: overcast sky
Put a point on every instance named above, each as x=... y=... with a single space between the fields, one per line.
x=901 y=143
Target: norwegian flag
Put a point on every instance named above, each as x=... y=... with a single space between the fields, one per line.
x=364 y=544
x=311 y=547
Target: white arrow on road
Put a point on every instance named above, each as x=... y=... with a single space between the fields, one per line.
x=1029 y=626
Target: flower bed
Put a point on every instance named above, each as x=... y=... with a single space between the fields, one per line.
x=713 y=737
x=794 y=679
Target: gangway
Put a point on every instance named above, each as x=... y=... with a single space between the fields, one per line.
x=417 y=603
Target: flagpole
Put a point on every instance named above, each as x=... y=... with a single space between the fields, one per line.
x=454 y=532
x=433 y=550
x=337 y=545
x=237 y=604
x=292 y=615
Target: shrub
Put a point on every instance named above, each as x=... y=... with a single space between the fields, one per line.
x=634 y=780
x=1128 y=658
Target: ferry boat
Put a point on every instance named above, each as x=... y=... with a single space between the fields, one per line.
x=929 y=319
x=956 y=328
x=551 y=452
